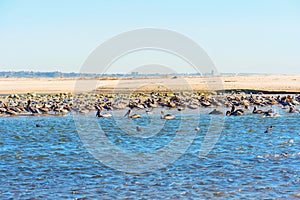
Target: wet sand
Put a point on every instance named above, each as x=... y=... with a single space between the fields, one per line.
x=267 y=83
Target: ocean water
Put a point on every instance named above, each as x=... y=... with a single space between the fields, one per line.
x=53 y=161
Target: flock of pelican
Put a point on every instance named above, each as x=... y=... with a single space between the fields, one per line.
x=62 y=104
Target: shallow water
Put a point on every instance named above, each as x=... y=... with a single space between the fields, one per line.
x=51 y=161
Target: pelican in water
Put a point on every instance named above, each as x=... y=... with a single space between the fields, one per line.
x=255 y=111
x=149 y=111
x=139 y=129
x=216 y=112
x=99 y=110
x=293 y=110
x=234 y=112
x=270 y=113
x=134 y=116
x=268 y=129
x=167 y=116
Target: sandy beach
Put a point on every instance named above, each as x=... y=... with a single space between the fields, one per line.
x=267 y=83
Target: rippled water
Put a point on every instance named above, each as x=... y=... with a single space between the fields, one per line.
x=52 y=162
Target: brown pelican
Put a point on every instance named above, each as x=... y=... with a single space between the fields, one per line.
x=171 y=104
x=270 y=113
x=3 y=110
x=99 y=110
x=268 y=129
x=192 y=106
x=139 y=129
x=28 y=108
x=149 y=111
x=180 y=108
x=8 y=111
x=44 y=109
x=216 y=112
x=255 y=111
x=245 y=103
x=16 y=109
x=167 y=116
x=83 y=111
x=59 y=109
x=293 y=110
x=234 y=112
x=205 y=103
x=134 y=116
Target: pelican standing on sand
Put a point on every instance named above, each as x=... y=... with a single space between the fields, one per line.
x=7 y=110
x=30 y=109
x=167 y=116
x=99 y=110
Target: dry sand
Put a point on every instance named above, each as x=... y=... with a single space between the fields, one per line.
x=271 y=83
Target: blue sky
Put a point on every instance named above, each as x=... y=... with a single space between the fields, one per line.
x=239 y=36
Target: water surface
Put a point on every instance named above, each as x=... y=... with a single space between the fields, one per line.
x=52 y=162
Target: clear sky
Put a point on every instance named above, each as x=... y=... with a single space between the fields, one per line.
x=240 y=36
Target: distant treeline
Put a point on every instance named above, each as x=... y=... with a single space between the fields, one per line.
x=43 y=74
x=74 y=74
